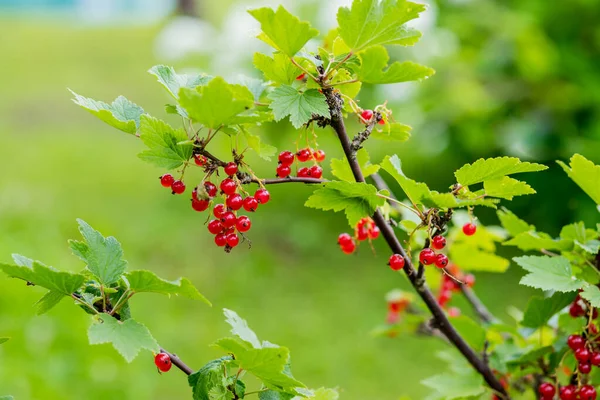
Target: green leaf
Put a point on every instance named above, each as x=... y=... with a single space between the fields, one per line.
x=472 y=332
x=577 y=232
x=165 y=147
x=449 y=200
x=533 y=241
x=104 y=256
x=216 y=103
x=415 y=191
x=209 y=377
x=47 y=277
x=585 y=174
x=7 y=398
x=282 y=30
x=128 y=337
x=341 y=168
x=592 y=294
x=358 y=200
x=493 y=168
x=591 y=246
x=299 y=106
x=456 y=386
x=349 y=89
x=470 y=258
x=374 y=61
x=146 y=281
x=506 y=188
x=278 y=69
x=174 y=82
x=540 y=309
x=513 y=224
x=275 y=395
x=264 y=151
x=392 y=133
x=121 y=114
x=549 y=273
x=240 y=328
x=4 y=340
x=48 y=301
x=372 y=22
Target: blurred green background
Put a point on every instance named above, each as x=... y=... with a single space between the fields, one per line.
x=513 y=78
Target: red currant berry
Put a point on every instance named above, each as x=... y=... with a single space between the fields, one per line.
x=200 y=205
x=228 y=219
x=220 y=239
x=178 y=187
x=575 y=342
x=567 y=392
x=167 y=180
x=319 y=155
x=162 y=362
x=469 y=229
x=362 y=232
x=304 y=155
x=454 y=312
x=441 y=260
x=234 y=201
x=228 y=186
x=395 y=306
x=444 y=298
x=232 y=240
x=200 y=160
x=211 y=189
x=595 y=313
x=215 y=226
x=250 y=204
x=349 y=248
x=286 y=158
x=373 y=232
x=547 y=390
x=381 y=121
x=396 y=262
x=304 y=172
x=231 y=168
x=243 y=224
x=587 y=392
x=344 y=239
x=283 y=171
x=427 y=256
x=582 y=354
x=575 y=310
x=262 y=196
x=469 y=280
x=219 y=210
x=584 y=367
x=367 y=114
x=592 y=329
x=301 y=76
x=438 y=242
x=595 y=359
x=316 y=172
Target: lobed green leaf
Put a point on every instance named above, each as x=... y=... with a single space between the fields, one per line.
x=493 y=168
x=374 y=61
x=540 y=309
x=167 y=147
x=300 y=106
x=585 y=174
x=141 y=281
x=121 y=114
x=173 y=81
x=549 y=273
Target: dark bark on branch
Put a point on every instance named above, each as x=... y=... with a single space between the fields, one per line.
x=441 y=320
x=178 y=363
x=361 y=137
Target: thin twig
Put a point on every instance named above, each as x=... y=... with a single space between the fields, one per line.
x=178 y=363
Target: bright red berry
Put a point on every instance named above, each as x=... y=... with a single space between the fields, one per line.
x=167 y=180
x=301 y=76
x=228 y=219
x=243 y=224
x=344 y=239
x=286 y=158
x=592 y=329
x=162 y=362
x=211 y=189
x=441 y=260
x=575 y=342
x=469 y=280
x=367 y=114
x=587 y=392
x=231 y=168
x=584 y=367
x=215 y=226
x=582 y=354
x=362 y=231
x=595 y=359
x=373 y=232
x=304 y=155
x=469 y=229
x=200 y=160
x=319 y=155
x=547 y=390
x=567 y=392
x=220 y=239
x=349 y=248
x=250 y=204
x=381 y=121
x=283 y=171
x=200 y=204
x=454 y=312
x=178 y=187
x=444 y=298
x=234 y=201
x=427 y=256
x=316 y=172
x=219 y=210
x=232 y=240
x=262 y=196
x=396 y=262
x=304 y=172
x=438 y=242
x=575 y=310
x=228 y=186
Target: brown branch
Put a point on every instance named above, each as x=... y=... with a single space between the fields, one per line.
x=480 y=309
x=178 y=363
x=337 y=123
x=361 y=137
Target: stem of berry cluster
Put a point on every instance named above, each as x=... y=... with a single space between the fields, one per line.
x=441 y=320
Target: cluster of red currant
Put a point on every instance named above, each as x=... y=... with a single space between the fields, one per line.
x=366 y=116
x=287 y=158
x=451 y=284
x=163 y=362
x=580 y=309
x=547 y=391
x=227 y=224
x=365 y=229
x=428 y=256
